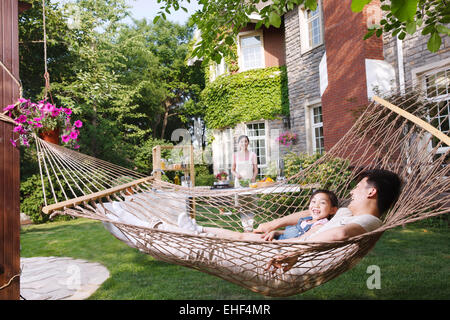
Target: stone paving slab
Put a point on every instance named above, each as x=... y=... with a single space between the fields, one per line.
x=60 y=278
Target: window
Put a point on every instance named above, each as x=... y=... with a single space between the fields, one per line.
x=437 y=89
x=257 y=135
x=311 y=30
x=217 y=70
x=317 y=130
x=251 y=52
x=315 y=34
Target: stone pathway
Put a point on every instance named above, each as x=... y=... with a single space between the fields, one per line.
x=60 y=278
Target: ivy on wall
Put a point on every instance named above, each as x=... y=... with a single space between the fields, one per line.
x=246 y=96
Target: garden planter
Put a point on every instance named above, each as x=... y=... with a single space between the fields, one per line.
x=51 y=136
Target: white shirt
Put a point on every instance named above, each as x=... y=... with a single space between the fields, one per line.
x=344 y=216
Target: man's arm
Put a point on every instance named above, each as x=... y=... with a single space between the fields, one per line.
x=339 y=233
x=286 y=262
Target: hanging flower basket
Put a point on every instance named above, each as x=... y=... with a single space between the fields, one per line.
x=287 y=138
x=51 y=136
x=45 y=120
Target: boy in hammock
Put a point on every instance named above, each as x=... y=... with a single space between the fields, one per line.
x=323 y=204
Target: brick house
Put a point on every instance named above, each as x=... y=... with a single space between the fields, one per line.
x=332 y=71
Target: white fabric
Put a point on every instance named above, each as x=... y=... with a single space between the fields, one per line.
x=245 y=166
x=344 y=216
x=243 y=261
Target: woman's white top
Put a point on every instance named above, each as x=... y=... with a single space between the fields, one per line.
x=244 y=164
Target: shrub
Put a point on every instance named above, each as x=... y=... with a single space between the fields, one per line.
x=32 y=199
x=203 y=176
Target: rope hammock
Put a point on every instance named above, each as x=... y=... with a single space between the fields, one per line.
x=401 y=135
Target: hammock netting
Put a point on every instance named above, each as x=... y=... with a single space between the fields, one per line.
x=132 y=205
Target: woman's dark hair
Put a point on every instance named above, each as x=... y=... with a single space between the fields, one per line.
x=388 y=185
x=333 y=199
x=242 y=137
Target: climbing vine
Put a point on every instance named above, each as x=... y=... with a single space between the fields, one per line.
x=246 y=96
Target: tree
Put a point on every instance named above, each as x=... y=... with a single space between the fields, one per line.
x=220 y=21
x=127 y=83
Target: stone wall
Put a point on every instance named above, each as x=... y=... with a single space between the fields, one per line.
x=415 y=53
x=303 y=77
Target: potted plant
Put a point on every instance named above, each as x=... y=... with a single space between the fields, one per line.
x=43 y=119
x=222 y=176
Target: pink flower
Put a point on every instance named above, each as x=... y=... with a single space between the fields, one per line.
x=74 y=134
x=78 y=124
x=67 y=111
x=10 y=107
x=22 y=100
x=21 y=119
x=65 y=138
x=13 y=142
x=25 y=142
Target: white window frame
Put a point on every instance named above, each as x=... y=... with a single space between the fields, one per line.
x=305 y=38
x=261 y=166
x=315 y=126
x=419 y=77
x=217 y=70
x=248 y=34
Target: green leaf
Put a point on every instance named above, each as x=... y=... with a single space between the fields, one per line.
x=229 y=41
x=402 y=35
x=275 y=19
x=443 y=29
x=258 y=24
x=358 y=5
x=434 y=43
x=369 y=34
x=429 y=29
x=311 y=4
x=411 y=27
x=155 y=20
x=404 y=10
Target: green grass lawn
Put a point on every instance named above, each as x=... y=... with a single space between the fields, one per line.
x=414 y=264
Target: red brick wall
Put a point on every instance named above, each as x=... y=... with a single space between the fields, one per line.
x=274 y=52
x=346 y=53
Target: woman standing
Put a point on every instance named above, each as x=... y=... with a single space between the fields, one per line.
x=244 y=163
x=244 y=168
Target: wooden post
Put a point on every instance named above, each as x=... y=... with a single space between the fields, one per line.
x=156 y=152
x=9 y=156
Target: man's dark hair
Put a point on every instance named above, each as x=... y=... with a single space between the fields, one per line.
x=331 y=195
x=388 y=185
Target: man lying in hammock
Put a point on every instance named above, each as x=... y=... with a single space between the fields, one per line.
x=374 y=194
x=322 y=206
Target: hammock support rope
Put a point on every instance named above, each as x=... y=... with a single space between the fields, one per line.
x=400 y=135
